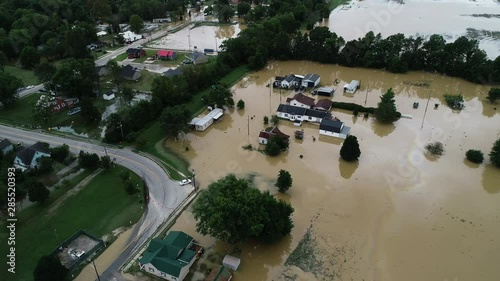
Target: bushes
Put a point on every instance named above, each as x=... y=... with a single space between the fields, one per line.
x=475 y=156
x=435 y=148
x=353 y=107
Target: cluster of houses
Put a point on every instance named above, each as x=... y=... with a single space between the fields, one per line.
x=171 y=258
x=26 y=157
x=301 y=108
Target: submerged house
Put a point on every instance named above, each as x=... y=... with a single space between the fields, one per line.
x=202 y=123
x=269 y=132
x=295 y=113
x=323 y=105
x=301 y=100
x=171 y=257
x=29 y=157
x=333 y=128
x=324 y=91
x=277 y=81
x=352 y=87
x=291 y=81
x=310 y=80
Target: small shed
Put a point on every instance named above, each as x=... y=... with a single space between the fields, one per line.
x=231 y=262
x=324 y=91
x=352 y=87
x=108 y=96
x=310 y=80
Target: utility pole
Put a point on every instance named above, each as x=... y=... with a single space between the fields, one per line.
x=366 y=97
x=270 y=93
x=97 y=273
x=425 y=112
x=248 y=129
x=194 y=180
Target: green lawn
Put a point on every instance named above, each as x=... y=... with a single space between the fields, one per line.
x=99 y=208
x=120 y=57
x=149 y=53
x=144 y=83
x=27 y=76
x=179 y=57
x=335 y=3
x=20 y=113
x=155 y=136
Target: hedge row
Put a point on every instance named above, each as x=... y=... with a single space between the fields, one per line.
x=356 y=107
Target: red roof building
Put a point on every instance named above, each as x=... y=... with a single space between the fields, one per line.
x=165 y=55
x=269 y=132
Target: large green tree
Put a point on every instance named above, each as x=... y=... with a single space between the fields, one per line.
x=275 y=145
x=495 y=154
x=74 y=77
x=174 y=120
x=136 y=23
x=170 y=91
x=224 y=13
x=494 y=95
x=89 y=113
x=232 y=210
x=29 y=57
x=284 y=181
x=386 y=111
x=49 y=268
x=100 y=8
x=37 y=192
x=220 y=96
x=350 y=149
x=8 y=88
x=116 y=73
x=45 y=71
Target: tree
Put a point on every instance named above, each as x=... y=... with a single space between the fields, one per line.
x=220 y=96
x=45 y=166
x=475 y=156
x=124 y=175
x=136 y=23
x=350 y=149
x=3 y=60
x=89 y=161
x=495 y=154
x=37 y=192
x=225 y=13
x=89 y=113
x=59 y=153
x=284 y=181
x=275 y=120
x=106 y=162
x=76 y=77
x=435 y=148
x=386 y=111
x=232 y=210
x=266 y=120
x=49 y=268
x=127 y=95
x=44 y=72
x=8 y=88
x=116 y=73
x=42 y=110
x=29 y=57
x=275 y=145
x=494 y=95
x=243 y=8
x=100 y=8
x=174 y=120
x=130 y=188
x=240 y=104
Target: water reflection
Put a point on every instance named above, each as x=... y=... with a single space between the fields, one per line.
x=347 y=169
x=382 y=130
x=491 y=179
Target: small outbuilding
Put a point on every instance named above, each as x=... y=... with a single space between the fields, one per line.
x=166 y=55
x=311 y=80
x=6 y=146
x=198 y=58
x=324 y=91
x=231 y=262
x=202 y=123
x=352 y=87
x=323 y=105
x=108 y=96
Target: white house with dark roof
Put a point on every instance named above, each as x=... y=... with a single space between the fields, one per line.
x=301 y=100
x=295 y=113
x=333 y=128
x=352 y=87
x=311 y=80
x=29 y=157
x=291 y=80
x=323 y=105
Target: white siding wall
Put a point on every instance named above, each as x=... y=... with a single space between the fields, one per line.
x=332 y=134
x=262 y=141
x=151 y=269
x=185 y=269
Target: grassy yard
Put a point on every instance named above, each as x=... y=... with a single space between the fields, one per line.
x=27 y=76
x=155 y=136
x=120 y=57
x=99 y=208
x=149 y=53
x=179 y=57
x=144 y=83
x=20 y=113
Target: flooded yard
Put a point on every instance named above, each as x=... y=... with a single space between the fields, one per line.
x=397 y=214
x=476 y=19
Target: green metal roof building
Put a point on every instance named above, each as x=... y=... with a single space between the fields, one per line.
x=169 y=258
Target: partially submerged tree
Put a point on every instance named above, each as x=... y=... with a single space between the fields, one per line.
x=232 y=210
x=284 y=181
x=240 y=104
x=275 y=145
x=350 y=149
x=49 y=268
x=435 y=148
x=475 y=156
x=495 y=154
x=265 y=120
x=494 y=95
x=386 y=111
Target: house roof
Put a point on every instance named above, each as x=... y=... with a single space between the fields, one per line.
x=317 y=114
x=133 y=51
x=324 y=104
x=169 y=255
x=26 y=154
x=304 y=99
x=279 y=78
x=331 y=125
x=128 y=71
x=294 y=110
x=311 y=77
x=288 y=100
x=165 y=53
x=325 y=90
x=172 y=72
x=219 y=273
x=290 y=77
x=196 y=55
x=272 y=131
x=4 y=144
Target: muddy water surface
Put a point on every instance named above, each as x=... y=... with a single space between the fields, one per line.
x=476 y=19
x=397 y=214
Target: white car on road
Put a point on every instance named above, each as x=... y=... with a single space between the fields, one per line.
x=185 y=181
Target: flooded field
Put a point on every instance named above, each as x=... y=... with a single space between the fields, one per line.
x=476 y=19
x=201 y=37
x=395 y=215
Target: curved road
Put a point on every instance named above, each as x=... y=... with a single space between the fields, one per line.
x=165 y=194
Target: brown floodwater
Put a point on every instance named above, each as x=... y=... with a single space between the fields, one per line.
x=475 y=19
x=397 y=214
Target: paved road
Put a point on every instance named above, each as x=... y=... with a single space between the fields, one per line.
x=165 y=194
